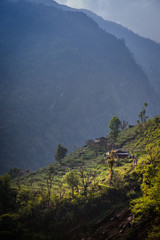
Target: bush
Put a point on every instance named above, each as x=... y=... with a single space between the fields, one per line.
x=9 y=227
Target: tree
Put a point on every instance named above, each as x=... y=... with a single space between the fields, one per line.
x=61 y=152
x=123 y=125
x=72 y=180
x=7 y=197
x=114 y=126
x=111 y=161
x=142 y=115
x=13 y=172
x=87 y=178
x=49 y=182
x=153 y=152
x=146 y=208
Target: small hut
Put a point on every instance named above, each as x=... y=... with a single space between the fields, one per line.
x=119 y=153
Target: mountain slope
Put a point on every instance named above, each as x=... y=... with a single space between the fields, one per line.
x=62 y=79
x=92 y=205
x=146 y=52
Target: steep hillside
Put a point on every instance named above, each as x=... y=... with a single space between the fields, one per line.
x=141 y=135
x=146 y=52
x=62 y=79
x=84 y=197
x=135 y=140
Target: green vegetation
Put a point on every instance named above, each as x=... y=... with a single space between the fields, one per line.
x=72 y=180
x=141 y=135
x=60 y=153
x=142 y=115
x=114 y=126
x=63 y=201
x=13 y=172
x=111 y=162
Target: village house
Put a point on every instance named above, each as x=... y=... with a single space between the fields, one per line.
x=119 y=153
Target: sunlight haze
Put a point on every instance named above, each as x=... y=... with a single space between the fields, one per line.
x=141 y=16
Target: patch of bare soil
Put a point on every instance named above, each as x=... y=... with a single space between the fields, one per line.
x=115 y=227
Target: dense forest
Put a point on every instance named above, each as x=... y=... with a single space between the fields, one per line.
x=61 y=79
x=85 y=196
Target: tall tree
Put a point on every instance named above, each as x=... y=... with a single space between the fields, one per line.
x=61 y=152
x=111 y=162
x=72 y=179
x=49 y=182
x=123 y=125
x=142 y=115
x=114 y=126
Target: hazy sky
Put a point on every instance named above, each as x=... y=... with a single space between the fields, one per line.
x=141 y=16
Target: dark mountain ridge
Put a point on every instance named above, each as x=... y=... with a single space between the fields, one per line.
x=146 y=51
x=62 y=79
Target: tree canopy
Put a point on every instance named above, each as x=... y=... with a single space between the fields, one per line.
x=114 y=126
x=142 y=115
x=61 y=152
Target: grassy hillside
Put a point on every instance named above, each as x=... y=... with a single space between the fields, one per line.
x=91 y=158
x=79 y=200
x=89 y=161
x=138 y=137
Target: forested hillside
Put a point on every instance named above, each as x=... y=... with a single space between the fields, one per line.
x=85 y=196
x=61 y=79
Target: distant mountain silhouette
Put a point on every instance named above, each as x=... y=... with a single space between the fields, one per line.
x=62 y=78
x=145 y=51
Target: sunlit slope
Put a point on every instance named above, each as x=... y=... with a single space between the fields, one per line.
x=140 y=136
x=91 y=158
x=94 y=202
